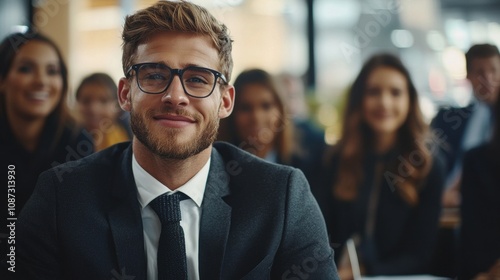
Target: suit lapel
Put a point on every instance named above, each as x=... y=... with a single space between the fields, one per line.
x=126 y=222
x=215 y=220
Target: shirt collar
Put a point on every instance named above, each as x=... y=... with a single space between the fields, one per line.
x=149 y=188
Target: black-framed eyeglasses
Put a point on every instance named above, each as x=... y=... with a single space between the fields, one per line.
x=155 y=78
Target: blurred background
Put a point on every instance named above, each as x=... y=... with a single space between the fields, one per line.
x=324 y=42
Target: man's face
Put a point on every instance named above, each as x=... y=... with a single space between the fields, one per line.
x=484 y=75
x=172 y=124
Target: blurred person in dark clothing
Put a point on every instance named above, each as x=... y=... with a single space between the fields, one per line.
x=262 y=125
x=38 y=133
x=382 y=183
x=465 y=128
x=479 y=244
x=308 y=138
x=259 y=123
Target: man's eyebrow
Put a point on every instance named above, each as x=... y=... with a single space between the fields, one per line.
x=193 y=65
x=184 y=65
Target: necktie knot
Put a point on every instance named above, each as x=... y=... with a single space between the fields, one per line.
x=167 y=207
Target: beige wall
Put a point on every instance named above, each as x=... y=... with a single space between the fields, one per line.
x=52 y=19
x=88 y=36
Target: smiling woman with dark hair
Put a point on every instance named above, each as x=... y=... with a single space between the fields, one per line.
x=380 y=181
x=37 y=130
x=260 y=124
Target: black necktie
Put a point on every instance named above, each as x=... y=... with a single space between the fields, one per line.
x=171 y=257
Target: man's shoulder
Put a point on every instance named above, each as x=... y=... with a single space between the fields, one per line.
x=247 y=173
x=482 y=154
x=447 y=110
x=100 y=163
x=236 y=157
x=249 y=177
x=480 y=170
x=452 y=119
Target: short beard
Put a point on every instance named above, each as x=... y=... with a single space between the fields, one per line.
x=165 y=146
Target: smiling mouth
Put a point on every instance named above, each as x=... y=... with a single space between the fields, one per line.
x=174 y=121
x=382 y=115
x=39 y=96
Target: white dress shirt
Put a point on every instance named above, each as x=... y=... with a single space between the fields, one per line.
x=148 y=189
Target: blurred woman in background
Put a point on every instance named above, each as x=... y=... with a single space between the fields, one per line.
x=258 y=123
x=97 y=101
x=37 y=132
x=380 y=185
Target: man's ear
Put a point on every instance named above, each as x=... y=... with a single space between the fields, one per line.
x=124 y=97
x=227 y=101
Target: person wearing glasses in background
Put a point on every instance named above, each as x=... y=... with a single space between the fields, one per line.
x=172 y=204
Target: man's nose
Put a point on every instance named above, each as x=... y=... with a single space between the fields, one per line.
x=174 y=94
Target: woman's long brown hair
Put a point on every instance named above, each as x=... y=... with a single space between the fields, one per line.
x=8 y=50
x=284 y=135
x=356 y=140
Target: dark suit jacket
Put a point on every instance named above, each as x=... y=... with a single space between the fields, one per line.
x=480 y=232
x=72 y=145
x=403 y=237
x=449 y=126
x=259 y=221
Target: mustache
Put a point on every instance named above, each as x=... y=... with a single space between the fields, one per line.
x=177 y=111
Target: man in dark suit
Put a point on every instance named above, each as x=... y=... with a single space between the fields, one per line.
x=461 y=129
x=173 y=205
x=479 y=245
